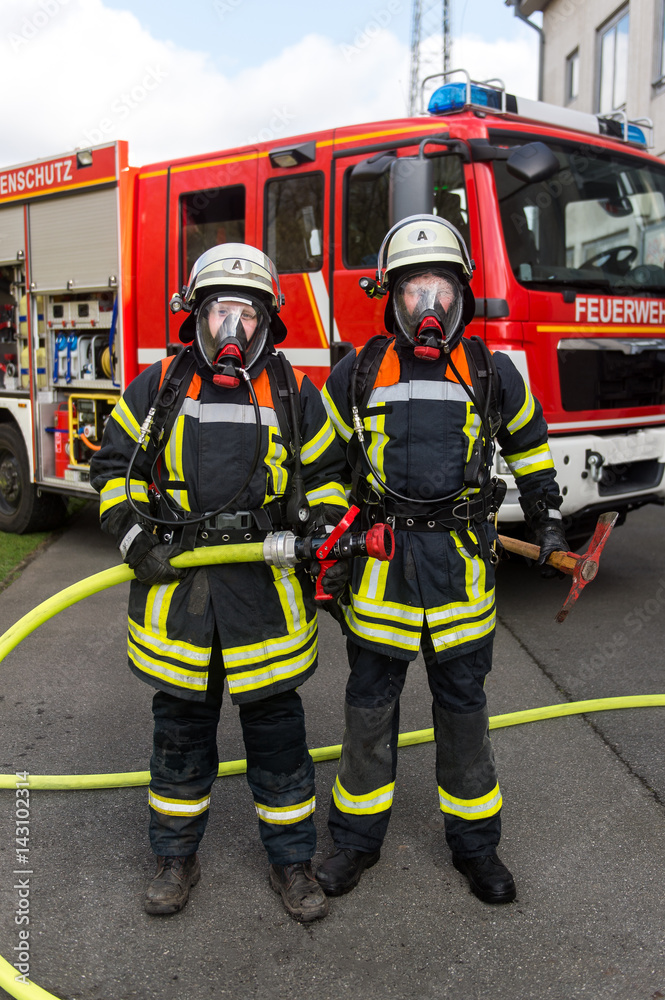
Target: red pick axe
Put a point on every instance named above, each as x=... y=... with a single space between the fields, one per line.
x=582 y=568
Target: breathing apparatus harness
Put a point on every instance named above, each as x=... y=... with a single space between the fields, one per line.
x=161 y=416
x=446 y=513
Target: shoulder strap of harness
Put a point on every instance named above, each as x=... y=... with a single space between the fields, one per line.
x=365 y=370
x=283 y=386
x=484 y=380
x=364 y=373
x=286 y=398
x=174 y=384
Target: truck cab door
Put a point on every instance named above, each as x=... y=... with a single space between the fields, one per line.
x=364 y=190
x=209 y=203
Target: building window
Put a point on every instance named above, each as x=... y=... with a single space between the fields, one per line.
x=613 y=68
x=573 y=76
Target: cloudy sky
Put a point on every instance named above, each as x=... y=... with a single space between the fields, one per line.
x=176 y=77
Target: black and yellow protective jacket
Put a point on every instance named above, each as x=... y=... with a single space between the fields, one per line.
x=420 y=427
x=265 y=616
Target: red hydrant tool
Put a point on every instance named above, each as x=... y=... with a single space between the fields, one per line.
x=582 y=568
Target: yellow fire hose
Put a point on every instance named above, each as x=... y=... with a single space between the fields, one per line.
x=250 y=552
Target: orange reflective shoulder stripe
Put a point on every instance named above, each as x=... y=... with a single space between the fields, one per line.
x=459 y=359
x=262 y=389
x=299 y=376
x=194 y=388
x=389 y=370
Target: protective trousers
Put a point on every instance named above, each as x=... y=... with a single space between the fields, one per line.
x=183 y=767
x=469 y=795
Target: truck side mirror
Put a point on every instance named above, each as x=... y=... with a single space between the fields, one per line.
x=532 y=162
x=411 y=187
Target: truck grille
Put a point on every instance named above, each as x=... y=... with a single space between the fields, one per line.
x=608 y=374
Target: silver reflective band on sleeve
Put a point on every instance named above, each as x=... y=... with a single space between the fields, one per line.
x=554 y=515
x=125 y=544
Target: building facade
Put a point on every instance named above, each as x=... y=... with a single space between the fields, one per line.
x=604 y=56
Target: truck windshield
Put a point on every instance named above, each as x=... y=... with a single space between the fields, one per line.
x=599 y=222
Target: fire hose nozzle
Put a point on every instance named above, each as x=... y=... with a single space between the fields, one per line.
x=284 y=549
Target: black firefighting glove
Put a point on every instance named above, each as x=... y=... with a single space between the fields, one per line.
x=336 y=578
x=543 y=517
x=141 y=550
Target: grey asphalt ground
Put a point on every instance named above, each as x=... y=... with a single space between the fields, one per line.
x=583 y=814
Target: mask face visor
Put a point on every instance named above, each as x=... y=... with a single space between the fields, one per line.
x=222 y=319
x=427 y=302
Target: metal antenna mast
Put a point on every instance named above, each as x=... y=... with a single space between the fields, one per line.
x=431 y=45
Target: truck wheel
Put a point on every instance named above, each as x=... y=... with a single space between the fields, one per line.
x=21 y=508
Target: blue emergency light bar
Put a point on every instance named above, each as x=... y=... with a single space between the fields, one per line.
x=453 y=97
x=457 y=95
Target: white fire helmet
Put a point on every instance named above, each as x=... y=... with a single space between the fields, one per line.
x=242 y=283
x=234 y=265
x=425 y=265
x=420 y=240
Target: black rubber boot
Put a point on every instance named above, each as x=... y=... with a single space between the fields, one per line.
x=300 y=892
x=341 y=872
x=488 y=877
x=169 y=890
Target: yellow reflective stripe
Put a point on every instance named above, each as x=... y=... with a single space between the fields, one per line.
x=390 y=610
x=185 y=651
x=342 y=428
x=331 y=493
x=373 y=583
x=317 y=445
x=388 y=635
x=375 y=425
x=290 y=596
x=124 y=416
x=178 y=807
x=238 y=656
x=459 y=609
x=166 y=672
x=534 y=460
x=283 y=815
x=486 y=805
x=471 y=429
x=467 y=632
x=113 y=493
x=276 y=455
x=524 y=414
x=174 y=458
x=376 y=801
x=271 y=674
x=475 y=574
x=157 y=608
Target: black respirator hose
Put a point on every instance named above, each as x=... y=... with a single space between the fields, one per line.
x=177 y=514
x=358 y=428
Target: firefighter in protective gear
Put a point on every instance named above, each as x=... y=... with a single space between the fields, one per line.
x=419 y=455
x=223 y=463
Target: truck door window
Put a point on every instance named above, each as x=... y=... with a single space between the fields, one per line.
x=208 y=218
x=294 y=223
x=366 y=208
x=597 y=223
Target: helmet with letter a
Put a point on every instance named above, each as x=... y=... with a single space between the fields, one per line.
x=233 y=298
x=425 y=267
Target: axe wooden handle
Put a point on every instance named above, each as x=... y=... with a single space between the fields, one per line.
x=564 y=561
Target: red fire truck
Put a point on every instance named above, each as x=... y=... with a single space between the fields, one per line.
x=564 y=214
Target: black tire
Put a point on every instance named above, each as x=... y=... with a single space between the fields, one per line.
x=22 y=509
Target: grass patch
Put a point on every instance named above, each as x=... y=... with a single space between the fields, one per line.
x=14 y=549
